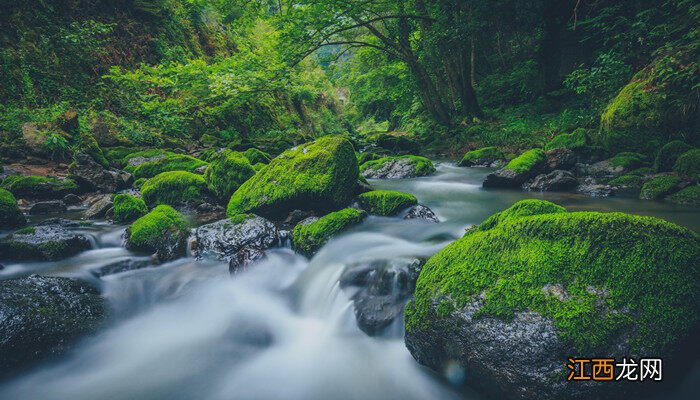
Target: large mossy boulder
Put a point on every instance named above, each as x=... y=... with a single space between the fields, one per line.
x=689 y=196
x=175 y=188
x=397 y=167
x=386 y=202
x=172 y=162
x=321 y=175
x=533 y=285
x=483 y=157
x=660 y=187
x=10 y=214
x=667 y=155
x=127 y=208
x=573 y=141
x=42 y=317
x=256 y=156
x=163 y=231
x=38 y=187
x=51 y=240
x=518 y=171
x=227 y=171
x=308 y=238
x=688 y=165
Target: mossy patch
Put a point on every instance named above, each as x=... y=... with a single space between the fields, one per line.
x=659 y=187
x=176 y=162
x=689 y=195
x=422 y=166
x=527 y=161
x=626 y=180
x=366 y=156
x=484 y=155
x=523 y=208
x=174 y=188
x=149 y=232
x=319 y=175
x=38 y=187
x=128 y=208
x=309 y=238
x=621 y=273
x=688 y=164
x=629 y=160
x=241 y=218
x=30 y=230
x=149 y=153
x=255 y=156
x=138 y=184
x=386 y=202
x=667 y=155
x=10 y=215
x=574 y=140
x=227 y=172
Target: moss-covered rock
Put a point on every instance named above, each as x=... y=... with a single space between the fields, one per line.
x=688 y=164
x=163 y=231
x=518 y=170
x=226 y=172
x=38 y=187
x=523 y=208
x=116 y=155
x=689 y=195
x=309 y=238
x=174 y=188
x=627 y=180
x=386 y=202
x=256 y=156
x=365 y=156
x=660 y=187
x=484 y=156
x=397 y=167
x=10 y=215
x=628 y=160
x=320 y=175
x=138 y=184
x=127 y=208
x=667 y=155
x=555 y=284
x=136 y=158
x=574 y=140
x=176 y=162
x=50 y=240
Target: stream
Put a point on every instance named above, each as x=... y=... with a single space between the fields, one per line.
x=283 y=329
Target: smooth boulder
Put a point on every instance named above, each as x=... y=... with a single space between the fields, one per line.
x=50 y=240
x=243 y=234
x=397 y=167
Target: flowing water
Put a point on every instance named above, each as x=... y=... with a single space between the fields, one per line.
x=281 y=330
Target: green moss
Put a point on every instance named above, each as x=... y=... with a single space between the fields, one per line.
x=318 y=175
x=30 y=230
x=386 y=202
x=641 y=171
x=54 y=249
x=309 y=238
x=259 y=166
x=10 y=215
x=620 y=272
x=484 y=155
x=148 y=232
x=241 y=218
x=176 y=162
x=366 y=156
x=659 y=187
x=423 y=166
x=523 y=208
x=227 y=172
x=139 y=183
x=128 y=208
x=689 y=195
x=38 y=187
x=174 y=188
x=256 y=156
x=688 y=164
x=667 y=155
x=573 y=140
x=626 y=180
x=628 y=160
x=88 y=145
x=117 y=154
x=527 y=161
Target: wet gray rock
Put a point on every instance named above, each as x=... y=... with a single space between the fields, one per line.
x=420 y=211
x=116 y=267
x=244 y=258
x=48 y=241
x=555 y=181
x=593 y=189
x=48 y=207
x=295 y=217
x=99 y=208
x=72 y=199
x=92 y=176
x=561 y=158
x=601 y=169
x=385 y=287
x=42 y=317
x=395 y=168
x=238 y=243
x=508 y=179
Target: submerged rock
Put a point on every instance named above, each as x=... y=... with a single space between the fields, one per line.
x=43 y=316
x=420 y=211
x=48 y=241
x=235 y=238
x=116 y=267
x=397 y=167
x=244 y=258
x=385 y=287
x=533 y=285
